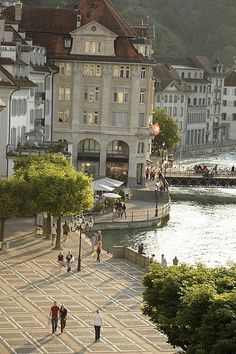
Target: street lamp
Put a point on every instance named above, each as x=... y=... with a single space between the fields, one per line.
x=81 y=226
x=156 y=195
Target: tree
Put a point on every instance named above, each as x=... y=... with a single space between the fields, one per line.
x=56 y=187
x=169 y=131
x=14 y=201
x=194 y=307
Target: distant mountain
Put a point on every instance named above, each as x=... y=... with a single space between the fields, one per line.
x=198 y=27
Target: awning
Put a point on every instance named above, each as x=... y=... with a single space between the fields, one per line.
x=111 y=195
x=101 y=187
x=106 y=184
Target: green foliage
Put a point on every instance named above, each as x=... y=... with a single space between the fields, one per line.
x=169 y=131
x=14 y=201
x=194 y=307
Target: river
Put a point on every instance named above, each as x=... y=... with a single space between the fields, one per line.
x=202 y=225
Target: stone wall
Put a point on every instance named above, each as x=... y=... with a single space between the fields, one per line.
x=131 y=255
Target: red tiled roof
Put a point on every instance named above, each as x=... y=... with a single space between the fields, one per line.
x=50 y=27
x=231 y=79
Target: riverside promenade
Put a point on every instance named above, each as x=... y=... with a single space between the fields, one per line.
x=30 y=282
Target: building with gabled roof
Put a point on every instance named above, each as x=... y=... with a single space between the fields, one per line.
x=103 y=91
x=229 y=106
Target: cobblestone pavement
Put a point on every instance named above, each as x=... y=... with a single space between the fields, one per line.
x=30 y=282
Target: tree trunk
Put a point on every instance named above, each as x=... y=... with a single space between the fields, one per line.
x=58 y=239
x=48 y=226
x=2 y=227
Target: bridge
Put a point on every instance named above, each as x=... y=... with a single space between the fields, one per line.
x=183 y=178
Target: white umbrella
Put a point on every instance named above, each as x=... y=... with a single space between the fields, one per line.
x=111 y=195
x=101 y=187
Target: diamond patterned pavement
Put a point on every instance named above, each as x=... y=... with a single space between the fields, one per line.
x=30 y=282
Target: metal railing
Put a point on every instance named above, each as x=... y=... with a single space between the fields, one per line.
x=132 y=215
x=182 y=172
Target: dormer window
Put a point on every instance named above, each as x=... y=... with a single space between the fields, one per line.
x=92 y=47
x=67 y=43
x=121 y=71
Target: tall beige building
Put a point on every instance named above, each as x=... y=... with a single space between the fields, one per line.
x=103 y=90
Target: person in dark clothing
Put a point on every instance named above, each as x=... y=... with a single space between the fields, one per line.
x=53 y=316
x=98 y=250
x=141 y=248
x=66 y=230
x=123 y=211
x=63 y=317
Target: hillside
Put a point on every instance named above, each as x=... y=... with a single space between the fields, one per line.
x=200 y=27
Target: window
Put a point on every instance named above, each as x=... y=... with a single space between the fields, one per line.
x=203 y=101
x=121 y=71
x=158 y=98
x=143 y=73
x=200 y=102
x=141 y=120
x=120 y=95
x=223 y=116
x=65 y=69
x=165 y=98
x=182 y=98
x=64 y=116
x=175 y=98
x=234 y=116
x=141 y=96
x=92 y=47
x=194 y=101
x=195 y=88
x=67 y=94
x=90 y=118
x=174 y=111
x=181 y=112
x=195 y=75
x=120 y=119
x=200 y=89
x=61 y=93
x=189 y=75
x=234 y=103
x=224 y=103
x=204 y=88
x=170 y=98
x=182 y=75
x=225 y=91
x=92 y=70
x=91 y=93
x=170 y=111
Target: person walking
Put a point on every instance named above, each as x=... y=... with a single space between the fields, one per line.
x=93 y=243
x=53 y=316
x=123 y=211
x=66 y=230
x=98 y=250
x=53 y=233
x=98 y=322
x=63 y=317
x=69 y=260
x=61 y=263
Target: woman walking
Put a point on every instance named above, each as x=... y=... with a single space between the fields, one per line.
x=63 y=317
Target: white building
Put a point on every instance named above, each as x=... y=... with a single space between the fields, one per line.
x=229 y=107
x=103 y=93
x=23 y=71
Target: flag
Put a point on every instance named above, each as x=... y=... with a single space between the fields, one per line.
x=154 y=129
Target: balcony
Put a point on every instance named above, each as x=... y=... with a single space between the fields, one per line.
x=36 y=148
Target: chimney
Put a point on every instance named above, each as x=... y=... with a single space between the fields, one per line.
x=18 y=10
x=79 y=18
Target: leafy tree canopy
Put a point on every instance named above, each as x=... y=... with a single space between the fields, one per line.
x=194 y=307
x=169 y=131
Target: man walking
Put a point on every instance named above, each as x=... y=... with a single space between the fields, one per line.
x=98 y=322
x=53 y=232
x=66 y=230
x=53 y=316
x=63 y=316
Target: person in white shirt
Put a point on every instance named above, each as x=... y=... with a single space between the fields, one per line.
x=53 y=232
x=163 y=261
x=98 y=322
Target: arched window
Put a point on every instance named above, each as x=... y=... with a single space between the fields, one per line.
x=89 y=145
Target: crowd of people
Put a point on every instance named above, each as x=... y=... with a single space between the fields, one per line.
x=163 y=261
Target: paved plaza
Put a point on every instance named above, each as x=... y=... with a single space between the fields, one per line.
x=30 y=282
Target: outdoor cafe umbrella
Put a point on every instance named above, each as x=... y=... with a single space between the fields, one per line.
x=102 y=187
x=111 y=195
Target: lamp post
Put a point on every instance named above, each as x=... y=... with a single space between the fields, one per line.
x=156 y=196
x=81 y=227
